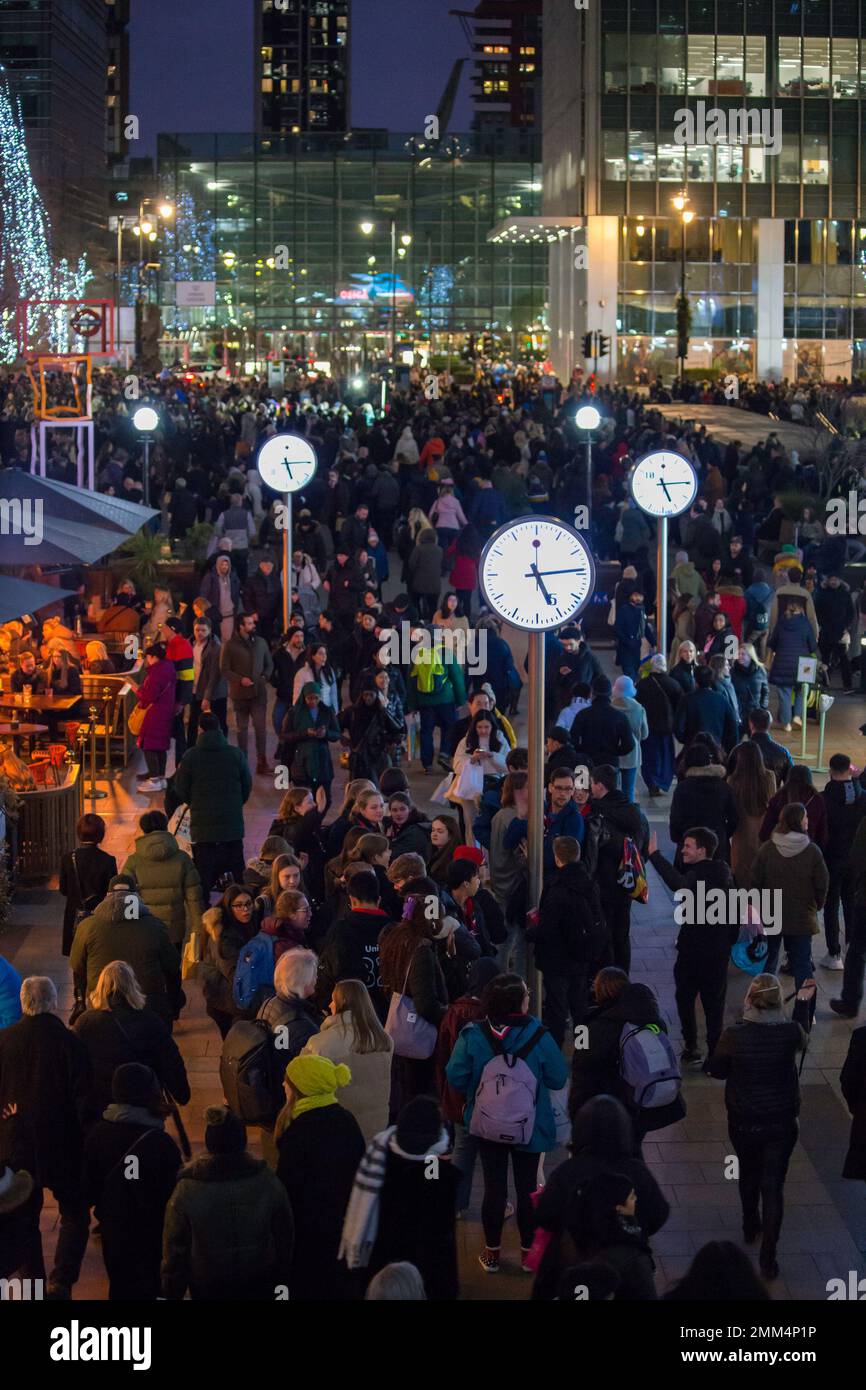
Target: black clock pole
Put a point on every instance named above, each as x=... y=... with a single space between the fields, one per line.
x=535 y=839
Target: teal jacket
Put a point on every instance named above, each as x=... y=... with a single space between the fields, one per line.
x=471 y=1054
x=214 y=780
x=309 y=756
x=448 y=689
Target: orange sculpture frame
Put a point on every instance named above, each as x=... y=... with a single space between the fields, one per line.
x=43 y=409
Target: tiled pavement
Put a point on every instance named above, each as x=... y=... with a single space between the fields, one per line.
x=824 y=1233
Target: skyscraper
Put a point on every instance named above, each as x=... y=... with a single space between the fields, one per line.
x=506 y=82
x=117 y=79
x=767 y=235
x=301 y=54
x=56 y=56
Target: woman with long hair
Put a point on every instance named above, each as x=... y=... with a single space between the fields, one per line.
x=375 y=850
x=791 y=639
x=407 y=828
x=448 y=613
x=97 y=661
x=317 y=668
x=227 y=927
x=749 y=679
x=464 y=554
x=299 y=821
x=445 y=838
x=409 y=965
x=798 y=786
x=353 y=1035
x=286 y=877
x=483 y=747
x=335 y=871
x=62 y=674
x=752 y=786
x=336 y=831
x=118 y=1027
x=156 y=696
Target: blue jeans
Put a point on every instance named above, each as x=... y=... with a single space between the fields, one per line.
x=432 y=716
x=628 y=777
x=278 y=715
x=511 y=954
x=799 y=952
x=786 y=704
x=465 y=1154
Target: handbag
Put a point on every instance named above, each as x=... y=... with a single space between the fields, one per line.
x=190 y=960
x=631 y=875
x=135 y=720
x=468 y=783
x=412 y=1035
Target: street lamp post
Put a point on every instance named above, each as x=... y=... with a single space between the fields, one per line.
x=588 y=418
x=145 y=420
x=368 y=227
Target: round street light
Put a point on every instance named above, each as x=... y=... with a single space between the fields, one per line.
x=367 y=228
x=587 y=418
x=406 y=239
x=166 y=210
x=145 y=419
x=147 y=227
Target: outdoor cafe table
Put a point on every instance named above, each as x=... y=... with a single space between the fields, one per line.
x=41 y=704
x=22 y=731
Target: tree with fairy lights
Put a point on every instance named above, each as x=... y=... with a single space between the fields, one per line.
x=27 y=268
x=190 y=247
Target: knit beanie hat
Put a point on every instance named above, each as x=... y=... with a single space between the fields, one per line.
x=317 y=1076
x=470 y=852
x=224 y=1132
x=134 y=1084
x=624 y=688
x=419 y=1125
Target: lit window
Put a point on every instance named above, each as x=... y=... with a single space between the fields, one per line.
x=267 y=84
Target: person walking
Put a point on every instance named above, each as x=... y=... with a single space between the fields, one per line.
x=507 y=1030
x=624 y=691
x=569 y=936
x=792 y=638
x=214 y=781
x=209 y=691
x=621 y=820
x=793 y=869
x=848 y=1003
x=702 y=797
x=85 y=874
x=307 y=730
x=156 y=696
x=660 y=695
x=631 y=629
x=845 y=806
x=167 y=878
x=227 y=927
x=757 y=1059
x=123 y=929
x=245 y=662
x=751 y=785
x=437 y=690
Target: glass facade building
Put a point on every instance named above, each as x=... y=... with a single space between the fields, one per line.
x=326 y=246
x=776 y=250
x=301 y=79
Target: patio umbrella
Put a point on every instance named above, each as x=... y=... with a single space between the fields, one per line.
x=55 y=541
x=47 y=523
x=19 y=596
x=76 y=504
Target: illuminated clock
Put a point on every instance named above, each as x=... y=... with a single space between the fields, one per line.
x=536 y=573
x=663 y=483
x=286 y=462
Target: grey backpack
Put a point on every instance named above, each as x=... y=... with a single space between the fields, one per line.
x=507 y=1093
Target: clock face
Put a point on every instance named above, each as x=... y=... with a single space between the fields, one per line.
x=536 y=573
x=286 y=462
x=663 y=483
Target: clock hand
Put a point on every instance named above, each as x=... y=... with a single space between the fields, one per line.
x=540 y=582
x=574 y=570
x=664 y=485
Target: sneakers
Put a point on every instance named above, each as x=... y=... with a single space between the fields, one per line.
x=785 y=967
x=524 y=1256
x=691 y=1056
x=787 y=728
x=842 y=1009
x=153 y=784
x=831 y=962
x=798 y=723
x=489 y=1261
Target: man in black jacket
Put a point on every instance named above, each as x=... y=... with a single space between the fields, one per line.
x=776 y=756
x=560 y=752
x=263 y=595
x=845 y=800
x=703 y=946
x=351 y=949
x=569 y=935
x=45 y=1088
x=621 y=819
x=601 y=733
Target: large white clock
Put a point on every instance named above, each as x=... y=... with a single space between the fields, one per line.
x=663 y=483
x=536 y=573
x=286 y=462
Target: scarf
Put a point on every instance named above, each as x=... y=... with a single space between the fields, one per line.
x=361 y=1224
x=426 y=669
x=305 y=1103
x=132 y=1115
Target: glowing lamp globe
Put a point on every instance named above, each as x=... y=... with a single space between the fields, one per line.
x=286 y=462
x=145 y=419
x=587 y=418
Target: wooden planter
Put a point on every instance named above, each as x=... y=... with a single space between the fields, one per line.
x=46 y=828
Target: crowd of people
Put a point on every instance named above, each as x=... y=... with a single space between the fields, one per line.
x=366 y=967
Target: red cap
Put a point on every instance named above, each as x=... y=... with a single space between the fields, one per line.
x=470 y=852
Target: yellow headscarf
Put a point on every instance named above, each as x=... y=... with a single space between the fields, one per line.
x=316 y=1079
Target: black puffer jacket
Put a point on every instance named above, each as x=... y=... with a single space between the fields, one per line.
x=703 y=797
x=700 y=940
x=595 y=1068
x=758 y=1061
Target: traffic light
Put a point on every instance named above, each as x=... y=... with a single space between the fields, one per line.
x=603 y=345
x=587 y=345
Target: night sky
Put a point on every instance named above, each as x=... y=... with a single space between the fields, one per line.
x=191 y=65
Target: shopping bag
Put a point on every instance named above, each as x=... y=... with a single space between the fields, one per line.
x=440 y=795
x=191 y=958
x=468 y=783
x=631 y=875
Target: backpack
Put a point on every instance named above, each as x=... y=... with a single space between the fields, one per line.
x=251 y=1073
x=648 y=1065
x=507 y=1093
x=255 y=970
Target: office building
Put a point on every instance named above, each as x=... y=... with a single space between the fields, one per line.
x=301 y=80
x=505 y=36
x=117 y=80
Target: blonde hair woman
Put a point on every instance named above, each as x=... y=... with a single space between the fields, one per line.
x=353 y=1035
x=98 y=662
x=118 y=1027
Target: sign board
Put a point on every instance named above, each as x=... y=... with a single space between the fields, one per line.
x=807 y=670
x=276 y=373
x=190 y=294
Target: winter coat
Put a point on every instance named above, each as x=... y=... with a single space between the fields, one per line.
x=546 y=1062
x=683 y=672
x=635 y=531
x=168 y=883
x=602 y=733
x=733 y=604
x=792 y=864
x=210 y=685
x=689 y=583
x=816 y=811
x=210 y=589
x=595 y=1068
x=853 y=1082
x=45 y=1071
x=308 y=755
x=95 y=870
x=845 y=806
x=790 y=639
x=120 y=1034
x=425 y=565
x=447 y=689
x=299 y=1017
x=834 y=609
x=263 y=594
x=305 y=675
x=660 y=695
x=700 y=941
x=630 y=628
x=319 y=1153
x=345 y=586
x=708 y=711
x=417 y=1223
x=776 y=756
x=10 y=993
x=423 y=981
x=366 y=1096
x=142 y=940
x=703 y=797
x=758 y=1062
x=228 y=1231
x=240 y=657
x=569 y=906
x=351 y=952
x=156 y=695
x=621 y=818
x=758 y=596
x=751 y=688
x=131 y=1214
x=636 y=716
x=222 y=948
x=411 y=838
x=214 y=780
x=778 y=606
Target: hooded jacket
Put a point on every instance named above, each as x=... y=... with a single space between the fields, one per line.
x=602 y=734
x=546 y=1062
x=845 y=805
x=142 y=940
x=703 y=797
x=790 y=639
x=425 y=565
x=751 y=688
x=689 y=583
x=214 y=780
x=707 y=711
x=168 y=883
x=793 y=865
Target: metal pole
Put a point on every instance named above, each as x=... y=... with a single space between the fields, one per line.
x=287 y=561
x=588 y=482
x=535 y=839
x=393 y=289
x=804 y=695
x=682 y=296
x=95 y=793
x=662 y=588
x=145 y=495
x=119 y=273
x=822 y=717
